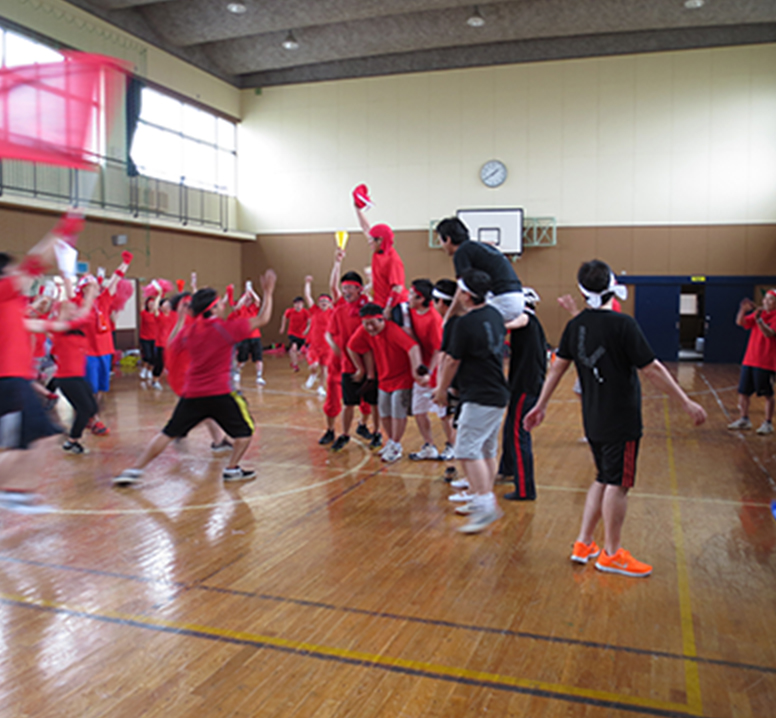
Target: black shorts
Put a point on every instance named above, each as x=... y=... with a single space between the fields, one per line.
x=148 y=350
x=229 y=411
x=755 y=381
x=249 y=348
x=616 y=462
x=292 y=340
x=22 y=417
x=352 y=392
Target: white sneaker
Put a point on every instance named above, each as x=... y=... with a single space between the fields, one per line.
x=466 y=509
x=236 y=378
x=310 y=383
x=321 y=392
x=447 y=454
x=387 y=447
x=463 y=497
x=128 y=477
x=393 y=455
x=428 y=452
x=459 y=484
x=765 y=428
x=480 y=520
x=260 y=380
x=743 y=423
x=156 y=385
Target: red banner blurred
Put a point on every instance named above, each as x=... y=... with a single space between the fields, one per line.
x=57 y=113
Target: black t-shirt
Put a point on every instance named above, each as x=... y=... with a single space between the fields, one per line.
x=478 y=342
x=477 y=255
x=528 y=358
x=447 y=334
x=607 y=348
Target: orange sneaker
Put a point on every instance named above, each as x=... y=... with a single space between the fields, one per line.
x=622 y=562
x=584 y=552
x=99 y=429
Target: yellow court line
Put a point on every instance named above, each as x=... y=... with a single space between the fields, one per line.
x=692 y=679
x=561 y=690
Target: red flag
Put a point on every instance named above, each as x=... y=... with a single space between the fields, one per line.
x=52 y=112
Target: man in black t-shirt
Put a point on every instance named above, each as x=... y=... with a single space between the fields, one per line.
x=527 y=369
x=607 y=348
x=504 y=286
x=476 y=351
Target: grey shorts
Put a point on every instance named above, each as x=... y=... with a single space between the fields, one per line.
x=478 y=431
x=395 y=404
x=510 y=305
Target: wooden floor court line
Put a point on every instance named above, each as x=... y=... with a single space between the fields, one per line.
x=559 y=692
x=199 y=585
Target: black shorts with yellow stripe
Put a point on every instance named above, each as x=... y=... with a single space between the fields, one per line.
x=229 y=411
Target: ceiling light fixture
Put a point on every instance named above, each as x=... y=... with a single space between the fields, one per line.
x=237 y=8
x=476 y=19
x=694 y=4
x=290 y=43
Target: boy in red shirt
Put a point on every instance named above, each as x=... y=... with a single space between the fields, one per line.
x=249 y=348
x=165 y=321
x=759 y=365
x=318 y=350
x=147 y=338
x=395 y=362
x=207 y=393
x=297 y=320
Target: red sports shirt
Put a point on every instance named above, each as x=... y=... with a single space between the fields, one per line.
x=342 y=325
x=387 y=271
x=760 y=351
x=148 y=326
x=98 y=329
x=165 y=323
x=69 y=350
x=16 y=354
x=297 y=321
x=389 y=349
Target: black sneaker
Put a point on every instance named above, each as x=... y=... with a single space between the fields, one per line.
x=73 y=447
x=364 y=432
x=450 y=474
x=514 y=496
x=327 y=438
x=238 y=474
x=222 y=446
x=377 y=440
x=340 y=443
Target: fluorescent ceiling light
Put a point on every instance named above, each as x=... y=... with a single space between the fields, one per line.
x=290 y=42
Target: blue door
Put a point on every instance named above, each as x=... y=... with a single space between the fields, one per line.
x=725 y=342
x=657 y=312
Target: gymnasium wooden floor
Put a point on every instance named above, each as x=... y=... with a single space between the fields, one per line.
x=334 y=585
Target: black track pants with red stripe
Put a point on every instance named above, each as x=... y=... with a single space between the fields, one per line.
x=517 y=453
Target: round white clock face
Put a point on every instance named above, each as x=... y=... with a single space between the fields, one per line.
x=493 y=173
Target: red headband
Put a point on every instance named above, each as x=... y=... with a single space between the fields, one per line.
x=351 y=283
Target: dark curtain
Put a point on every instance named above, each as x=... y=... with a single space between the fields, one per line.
x=134 y=102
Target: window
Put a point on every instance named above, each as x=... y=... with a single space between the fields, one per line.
x=18 y=50
x=178 y=142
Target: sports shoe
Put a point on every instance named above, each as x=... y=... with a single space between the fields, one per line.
x=480 y=520
x=377 y=441
x=466 y=509
x=327 y=438
x=363 y=431
x=394 y=453
x=238 y=474
x=321 y=392
x=340 y=443
x=514 y=496
x=128 y=477
x=447 y=454
x=222 y=446
x=99 y=429
x=428 y=452
x=742 y=423
x=385 y=448
x=295 y=368
x=73 y=447
x=156 y=385
x=310 y=383
x=22 y=502
x=765 y=428
x=236 y=378
x=584 y=552
x=450 y=474
x=460 y=483
x=623 y=563
x=260 y=380
x=462 y=497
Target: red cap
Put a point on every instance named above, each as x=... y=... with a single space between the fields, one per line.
x=361 y=197
x=381 y=231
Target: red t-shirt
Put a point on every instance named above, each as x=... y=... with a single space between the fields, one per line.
x=165 y=323
x=69 y=350
x=297 y=321
x=209 y=343
x=428 y=330
x=247 y=311
x=760 y=351
x=16 y=354
x=342 y=325
x=387 y=271
x=148 y=326
x=319 y=325
x=98 y=331
x=389 y=349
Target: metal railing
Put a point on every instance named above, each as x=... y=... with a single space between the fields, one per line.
x=110 y=188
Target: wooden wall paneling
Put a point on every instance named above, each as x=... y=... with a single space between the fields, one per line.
x=650 y=250
x=688 y=250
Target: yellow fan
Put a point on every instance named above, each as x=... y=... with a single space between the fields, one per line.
x=342 y=238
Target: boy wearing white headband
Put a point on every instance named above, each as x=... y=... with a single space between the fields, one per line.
x=607 y=348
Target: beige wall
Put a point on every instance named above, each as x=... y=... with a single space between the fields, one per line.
x=667 y=138
x=158 y=253
x=698 y=250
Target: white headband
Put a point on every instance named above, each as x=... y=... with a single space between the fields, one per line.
x=462 y=286
x=594 y=298
x=440 y=295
